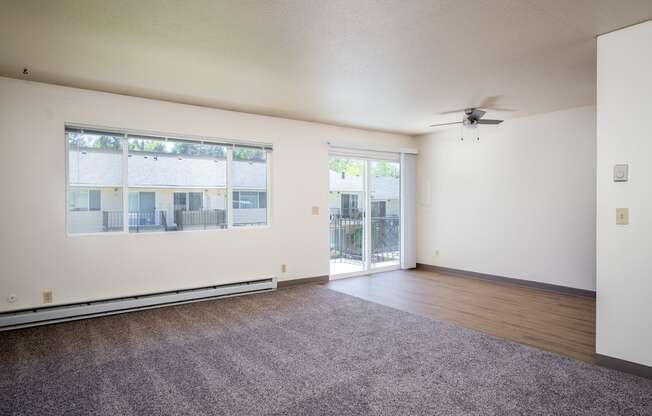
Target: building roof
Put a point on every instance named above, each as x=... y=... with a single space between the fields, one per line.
x=104 y=169
x=383 y=187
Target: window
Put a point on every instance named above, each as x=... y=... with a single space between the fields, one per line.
x=180 y=201
x=171 y=184
x=195 y=201
x=94 y=181
x=349 y=205
x=249 y=186
x=188 y=201
x=378 y=209
x=262 y=199
x=94 y=200
x=84 y=200
x=142 y=209
x=243 y=200
x=168 y=172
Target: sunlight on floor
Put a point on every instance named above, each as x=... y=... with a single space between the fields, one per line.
x=342 y=268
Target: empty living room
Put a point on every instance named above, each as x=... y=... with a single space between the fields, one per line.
x=308 y=207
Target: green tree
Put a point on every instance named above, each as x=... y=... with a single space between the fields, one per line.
x=386 y=169
x=355 y=167
x=348 y=166
x=248 y=153
x=94 y=141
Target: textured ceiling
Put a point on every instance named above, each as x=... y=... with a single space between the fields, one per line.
x=385 y=65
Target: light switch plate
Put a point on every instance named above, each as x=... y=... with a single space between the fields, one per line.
x=621 y=173
x=622 y=216
x=315 y=210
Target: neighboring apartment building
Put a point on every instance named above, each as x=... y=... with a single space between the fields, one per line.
x=346 y=196
x=175 y=191
x=166 y=191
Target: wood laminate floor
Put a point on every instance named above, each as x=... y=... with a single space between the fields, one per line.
x=562 y=324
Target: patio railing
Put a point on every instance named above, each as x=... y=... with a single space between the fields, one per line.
x=385 y=239
x=205 y=218
x=165 y=220
x=346 y=239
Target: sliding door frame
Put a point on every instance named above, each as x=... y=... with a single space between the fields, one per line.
x=367 y=158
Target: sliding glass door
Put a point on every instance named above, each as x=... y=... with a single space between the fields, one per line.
x=347 y=215
x=364 y=211
x=385 y=221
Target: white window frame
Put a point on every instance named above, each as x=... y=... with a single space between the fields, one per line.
x=230 y=144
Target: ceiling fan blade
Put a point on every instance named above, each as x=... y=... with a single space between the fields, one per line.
x=477 y=114
x=461 y=110
x=489 y=121
x=491 y=103
x=445 y=124
x=507 y=110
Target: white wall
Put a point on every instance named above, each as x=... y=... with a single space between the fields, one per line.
x=35 y=253
x=519 y=203
x=624 y=252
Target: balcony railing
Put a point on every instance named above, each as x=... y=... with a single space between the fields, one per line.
x=385 y=239
x=165 y=220
x=346 y=239
x=205 y=218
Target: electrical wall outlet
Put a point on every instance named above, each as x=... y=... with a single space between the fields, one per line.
x=47 y=296
x=12 y=298
x=284 y=268
x=622 y=216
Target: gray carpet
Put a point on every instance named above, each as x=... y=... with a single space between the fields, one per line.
x=300 y=351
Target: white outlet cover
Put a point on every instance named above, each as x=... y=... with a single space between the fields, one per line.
x=12 y=298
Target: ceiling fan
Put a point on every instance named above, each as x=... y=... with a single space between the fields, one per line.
x=473 y=115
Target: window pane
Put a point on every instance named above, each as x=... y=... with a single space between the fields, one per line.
x=249 y=173
x=94 y=200
x=133 y=201
x=236 y=199
x=262 y=200
x=248 y=200
x=346 y=185
x=385 y=187
x=94 y=182
x=78 y=200
x=180 y=201
x=196 y=199
x=168 y=174
x=346 y=206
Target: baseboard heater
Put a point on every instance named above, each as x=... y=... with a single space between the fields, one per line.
x=54 y=314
